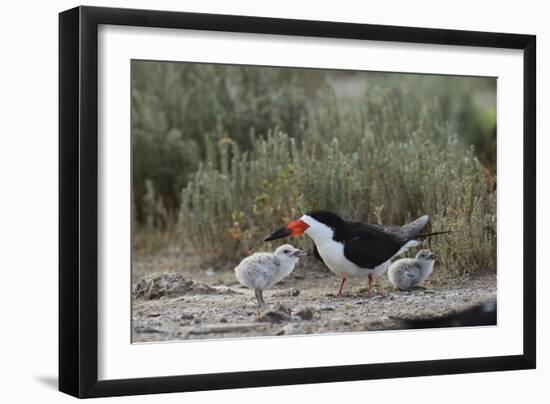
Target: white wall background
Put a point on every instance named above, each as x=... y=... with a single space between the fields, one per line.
x=28 y=198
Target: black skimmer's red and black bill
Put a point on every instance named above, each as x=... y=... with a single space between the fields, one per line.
x=352 y=249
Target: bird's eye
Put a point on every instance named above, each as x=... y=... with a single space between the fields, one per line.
x=287 y=251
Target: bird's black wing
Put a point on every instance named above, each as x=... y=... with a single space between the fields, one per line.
x=368 y=246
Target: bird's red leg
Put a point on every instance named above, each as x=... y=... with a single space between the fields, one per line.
x=370 y=284
x=340 y=289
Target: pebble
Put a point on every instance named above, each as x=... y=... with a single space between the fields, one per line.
x=305 y=314
x=273 y=316
x=294 y=292
x=283 y=309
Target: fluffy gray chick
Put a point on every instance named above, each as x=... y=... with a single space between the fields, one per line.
x=409 y=272
x=262 y=270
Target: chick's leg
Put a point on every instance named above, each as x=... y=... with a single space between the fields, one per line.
x=259 y=296
x=371 y=281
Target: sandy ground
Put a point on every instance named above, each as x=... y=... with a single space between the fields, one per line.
x=172 y=300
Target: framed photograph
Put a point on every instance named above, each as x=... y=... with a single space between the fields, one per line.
x=250 y=201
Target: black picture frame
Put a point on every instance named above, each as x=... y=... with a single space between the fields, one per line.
x=78 y=200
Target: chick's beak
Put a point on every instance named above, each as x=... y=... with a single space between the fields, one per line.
x=295 y=228
x=299 y=253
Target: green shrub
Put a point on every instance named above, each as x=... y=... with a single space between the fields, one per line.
x=235 y=152
x=180 y=111
x=174 y=105
x=385 y=161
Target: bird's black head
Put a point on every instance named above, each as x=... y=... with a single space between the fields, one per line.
x=330 y=219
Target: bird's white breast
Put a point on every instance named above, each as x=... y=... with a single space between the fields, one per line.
x=332 y=253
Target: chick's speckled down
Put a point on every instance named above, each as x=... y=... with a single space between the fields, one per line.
x=410 y=272
x=262 y=270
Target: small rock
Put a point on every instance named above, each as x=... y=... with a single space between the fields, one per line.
x=155 y=294
x=172 y=284
x=305 y=314
x=223 y=320
x=187 y=316
x=294 y=292
x=273 y=316
x=156 y=285
x=283 y=309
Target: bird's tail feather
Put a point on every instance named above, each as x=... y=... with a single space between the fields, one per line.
x=435 y=233
x=410 y=230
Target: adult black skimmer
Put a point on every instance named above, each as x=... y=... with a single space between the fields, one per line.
x=406 y=273
x=262 y=270
x=351 y=249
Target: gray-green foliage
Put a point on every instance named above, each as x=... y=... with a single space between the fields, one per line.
x=385 y=158
x=238 y=151
x=176 y=105
x=179 y=110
